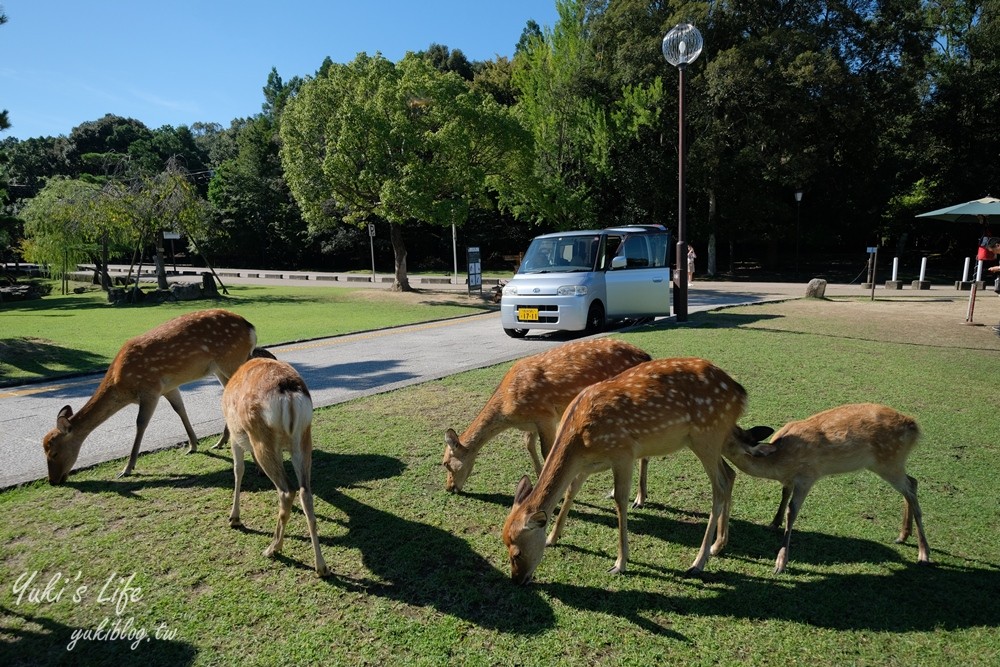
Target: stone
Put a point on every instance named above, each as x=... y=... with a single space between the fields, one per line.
x=816 y=289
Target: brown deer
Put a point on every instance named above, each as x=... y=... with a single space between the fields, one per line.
x=146 y=367
x=268 y=410
x=653 y=409
x=839 y=440
x=532 y=397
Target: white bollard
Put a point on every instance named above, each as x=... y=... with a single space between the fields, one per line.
x=979 y=270
x=965 y=270
x=895 y=268
x=923 y=269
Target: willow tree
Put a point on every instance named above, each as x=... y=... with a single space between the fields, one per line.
x=373 y=141
x=60 y=227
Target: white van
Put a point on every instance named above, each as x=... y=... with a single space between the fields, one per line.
x=579 y=281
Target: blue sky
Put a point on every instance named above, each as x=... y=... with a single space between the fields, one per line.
x=65 y=62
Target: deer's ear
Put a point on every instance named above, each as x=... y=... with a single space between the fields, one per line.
x=522 y=491
x=452 y=441
x=760 y=433
x=62 y=419
x=763 y=449
x=537 y=520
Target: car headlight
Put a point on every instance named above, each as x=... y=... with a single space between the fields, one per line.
x=510 y=290
x=572 y=290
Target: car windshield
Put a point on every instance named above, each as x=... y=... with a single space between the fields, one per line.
x=561 y=254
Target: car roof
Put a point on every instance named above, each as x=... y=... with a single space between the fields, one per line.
x=627 y=229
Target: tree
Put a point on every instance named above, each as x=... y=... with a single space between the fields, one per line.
x=59 y=226
x=372 y=141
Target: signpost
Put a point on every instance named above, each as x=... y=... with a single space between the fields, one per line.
x=475 y=270
x=873 y=262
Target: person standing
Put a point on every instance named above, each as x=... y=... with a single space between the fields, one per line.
x=691 y=258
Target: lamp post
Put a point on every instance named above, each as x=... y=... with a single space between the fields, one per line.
x=798 y=206
x=681 y=46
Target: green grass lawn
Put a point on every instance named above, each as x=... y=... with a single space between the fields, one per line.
x=61 y=335
x=421 y=576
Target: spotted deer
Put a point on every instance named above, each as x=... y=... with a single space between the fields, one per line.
x=840 y=440
x=149 y=366
x=268 y=410
x=532 y=397
x=653 y=409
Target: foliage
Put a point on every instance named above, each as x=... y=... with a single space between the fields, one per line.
x=60 y=225
x=373 y=141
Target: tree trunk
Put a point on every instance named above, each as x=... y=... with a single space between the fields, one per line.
x=161 y=269
x=402 y=283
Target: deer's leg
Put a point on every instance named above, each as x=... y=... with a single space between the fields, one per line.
x=546 y=436
x=224 y=438
x=722 y=529
x=147 y=406
x=779 y=516
x=907 y=486
x=567 y=502
x=529 y=443
x=721 y=493
x=177 y=403
x=799 y=492
x=234 y=515
x=640 y=497
x=302 y=462
x=269 y=458
x=623 y=488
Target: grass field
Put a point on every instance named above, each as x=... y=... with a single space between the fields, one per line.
x=63 y=335
x=421 y=576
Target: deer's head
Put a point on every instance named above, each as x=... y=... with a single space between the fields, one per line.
x=524 y=535
x=61 y=447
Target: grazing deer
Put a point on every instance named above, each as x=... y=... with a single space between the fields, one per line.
x=268 y=410
x=839 y=440
x=146 y=367
x=532 y=397
x=653 y=409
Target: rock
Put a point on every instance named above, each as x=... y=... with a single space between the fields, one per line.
x=816 y=289
x=186 y=291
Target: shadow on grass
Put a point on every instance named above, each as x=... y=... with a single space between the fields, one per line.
x=912 y=599
x=409 y=561
x=37 y=357
x=417 y=563
x=36 y=640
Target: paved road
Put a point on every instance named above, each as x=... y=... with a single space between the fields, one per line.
x=335 y=369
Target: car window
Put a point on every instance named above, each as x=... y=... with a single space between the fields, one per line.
x=644 y=251
x=561 y=253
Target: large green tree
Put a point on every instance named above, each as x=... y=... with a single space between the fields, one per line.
x=373 y=141
x=61 y=227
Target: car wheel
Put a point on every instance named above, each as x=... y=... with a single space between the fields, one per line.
x=595 y=318
x=516 y=333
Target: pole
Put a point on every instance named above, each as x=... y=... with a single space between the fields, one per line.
x=454 y=252
x=681 y=307
x=371 y=242
x=798 y=217
x=874 y=269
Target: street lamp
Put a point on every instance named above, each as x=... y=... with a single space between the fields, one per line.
x=798 y=206
x=681 y=46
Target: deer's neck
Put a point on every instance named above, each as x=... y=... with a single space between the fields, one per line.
x=105 y=402
x=487 y=425
x=557 y=474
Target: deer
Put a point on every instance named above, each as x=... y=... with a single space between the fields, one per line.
x=149 y=366
x=653 y=409
x=532 y=396
x=268 y=410
x=839 y=440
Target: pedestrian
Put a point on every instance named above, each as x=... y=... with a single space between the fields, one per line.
x=691 y=258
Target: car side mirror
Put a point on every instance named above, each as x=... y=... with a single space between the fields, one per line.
x=619 y=262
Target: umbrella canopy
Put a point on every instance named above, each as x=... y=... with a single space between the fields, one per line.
x=977 y=210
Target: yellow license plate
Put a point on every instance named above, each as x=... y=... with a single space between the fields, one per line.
x=527 y=314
